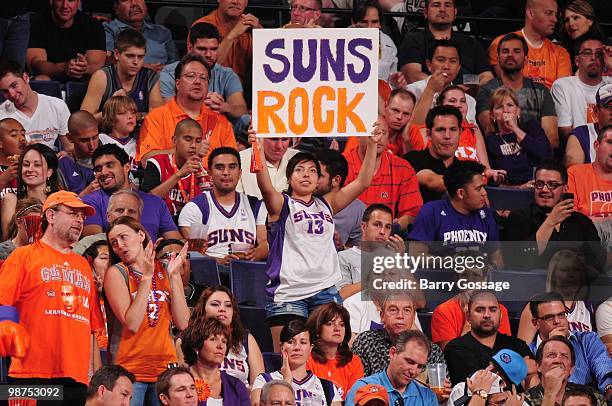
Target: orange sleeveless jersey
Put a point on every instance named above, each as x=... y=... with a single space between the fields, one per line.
x=148 y=352
x=58 y=305
x=592 y=195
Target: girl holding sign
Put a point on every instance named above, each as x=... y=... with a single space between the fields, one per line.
x=302 y=262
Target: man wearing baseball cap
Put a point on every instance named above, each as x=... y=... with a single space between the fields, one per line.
x=48 y=345
x=580 y=148
x=497 y=383
x=371 y=395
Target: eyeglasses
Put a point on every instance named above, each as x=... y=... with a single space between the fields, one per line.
x=553 y=317
x=587 y=53
x=539 y=185
x=74 y=214
x=170 y=255
x=191 y=77
x=302 y=9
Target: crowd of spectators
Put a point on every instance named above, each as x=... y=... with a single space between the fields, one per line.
x=103 y=208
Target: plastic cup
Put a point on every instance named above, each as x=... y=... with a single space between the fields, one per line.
x=198 y=235
x=436 y=373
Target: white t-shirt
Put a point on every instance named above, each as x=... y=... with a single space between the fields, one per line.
x=248 y=182
x=418 y=87
x=128 y=145
x=603 y=317
x=49 y=121
x=574 y=100
x=307 y=392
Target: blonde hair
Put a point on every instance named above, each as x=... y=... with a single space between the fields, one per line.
x=497 y=98
x=116 y=105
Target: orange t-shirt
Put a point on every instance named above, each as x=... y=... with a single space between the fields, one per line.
x=240 y=55
x=158 y=128
x=343 y=377
x=147 y=352
x=58 y=305
x=448 y=320
x=466 y=151
x=543 y=65
x=592 y=194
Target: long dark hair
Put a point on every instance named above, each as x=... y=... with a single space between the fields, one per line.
x=52 y=162
x=315 y=322
x=238 y=333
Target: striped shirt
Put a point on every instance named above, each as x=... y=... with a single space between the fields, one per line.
x=394 y=184
x=593 y=365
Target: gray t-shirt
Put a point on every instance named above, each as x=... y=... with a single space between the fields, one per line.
x=348 y=222
x=6 y=248
x=350 y=266
x=535 y=99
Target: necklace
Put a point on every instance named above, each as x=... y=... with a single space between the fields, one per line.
x=152 y=316
x=180 y=183
x=511 y=148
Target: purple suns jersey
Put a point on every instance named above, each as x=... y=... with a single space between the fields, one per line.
x=302 y=260
x=439 y=222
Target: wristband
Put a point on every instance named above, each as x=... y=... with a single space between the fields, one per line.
x=9 y=313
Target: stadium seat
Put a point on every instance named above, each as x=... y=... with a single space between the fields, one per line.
x=273 y=361
x=501 y=198
x=204 y=271
x=3 y=369
x=75 y=93
x=47 y=87
x=425 y=320
x=248 y=281
x=523 y=285
x=436 y=296
x=254 y=319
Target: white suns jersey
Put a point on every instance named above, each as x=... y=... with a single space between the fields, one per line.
x=308 y=392
x=226 y=225
x=236 y=365
x=579 y=317
x=302 y=260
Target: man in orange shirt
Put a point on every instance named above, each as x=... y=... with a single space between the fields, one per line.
x=235 y=27
x=591 y=185
x=546 y=61
x=191 y=90
x=50 y=292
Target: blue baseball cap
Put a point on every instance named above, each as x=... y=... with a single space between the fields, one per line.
x=511 y=366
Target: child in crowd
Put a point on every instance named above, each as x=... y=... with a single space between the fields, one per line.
x=119 y=120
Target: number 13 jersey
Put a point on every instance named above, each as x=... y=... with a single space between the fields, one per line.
x=303 y=260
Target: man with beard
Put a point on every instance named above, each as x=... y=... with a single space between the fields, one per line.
x=574 y=96
x=443 y=126
x=535 y=100
x=473 y=351
x=132 y=14
x=591 y=364
x=407 y=358
x=235 y=222
x=48 y=295
x=551 y=224
x=580 y=143
x=192 y=77
x=111 y=169
x=556 y=360
x=547 y=61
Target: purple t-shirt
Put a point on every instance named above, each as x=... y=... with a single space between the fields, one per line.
x=438 y=221
x=156 y=218
x=75 y=177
